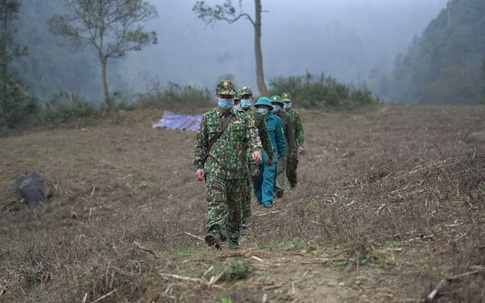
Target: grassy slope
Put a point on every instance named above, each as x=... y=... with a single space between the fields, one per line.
x=389 y=202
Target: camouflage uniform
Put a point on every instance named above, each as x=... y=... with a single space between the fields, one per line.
x=292 y=163
x=260 y=123
x=279 y=187
x=225 y=165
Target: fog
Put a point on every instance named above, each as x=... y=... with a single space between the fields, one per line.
x=344 y=39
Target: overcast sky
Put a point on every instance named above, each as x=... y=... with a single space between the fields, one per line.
x=342 y=38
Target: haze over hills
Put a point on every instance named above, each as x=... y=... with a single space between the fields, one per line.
x=343 y=39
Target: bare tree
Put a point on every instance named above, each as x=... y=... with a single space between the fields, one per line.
x=227 y=12
x=110 y=26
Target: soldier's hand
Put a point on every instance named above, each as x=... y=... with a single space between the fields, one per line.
x=282 y=159
x=200 y=174
x=270 y=162
x=300 y=150
x=257 y=157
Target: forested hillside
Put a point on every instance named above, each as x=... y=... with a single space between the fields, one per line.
x=444 y=66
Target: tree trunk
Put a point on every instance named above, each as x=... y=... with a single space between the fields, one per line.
x=106 y=100
x=263 y=91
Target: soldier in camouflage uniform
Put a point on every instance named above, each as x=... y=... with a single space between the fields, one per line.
x=246 y=96
x=223 y=141
x=292 y=163
x=278 y=104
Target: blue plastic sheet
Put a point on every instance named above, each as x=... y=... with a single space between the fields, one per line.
x=178 y=121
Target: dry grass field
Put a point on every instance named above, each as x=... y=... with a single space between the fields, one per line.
x=390 y=208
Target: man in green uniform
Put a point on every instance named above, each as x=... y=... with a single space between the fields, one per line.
x=278 y=104
x=222 y=143
x=292 y=163
x=246 y=96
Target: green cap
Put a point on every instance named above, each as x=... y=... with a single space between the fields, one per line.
x=263 y=101
x=225 y=87
x=276 y=98
x=286 y=97
x=245 y=90
x=237 y=97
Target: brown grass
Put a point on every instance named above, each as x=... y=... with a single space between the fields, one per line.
x=390 y=202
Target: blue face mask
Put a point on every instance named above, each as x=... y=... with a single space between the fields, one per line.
x=263 y=111
x=276 y=108
x=287 y=105
x=226 y=103
x=237 y=106
x=245 y=103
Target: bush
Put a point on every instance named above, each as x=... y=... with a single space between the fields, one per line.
x=64 y=106
x=16 y=105
x=318 y=91
x=175 y=97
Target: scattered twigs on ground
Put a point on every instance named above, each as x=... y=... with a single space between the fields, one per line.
x=197 y=237
x=202 y=282
x=443 y=281
x=105 y=296
x=144 y=248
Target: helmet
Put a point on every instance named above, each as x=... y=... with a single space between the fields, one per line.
x=263 y=101
x=286 y=97
x=245 y=90
x=276 y=98
x=225 y=87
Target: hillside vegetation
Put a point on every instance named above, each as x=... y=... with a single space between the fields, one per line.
x=446 y=65
x=390 y=202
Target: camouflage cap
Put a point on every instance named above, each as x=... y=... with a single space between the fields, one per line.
x=245 y=90
x=286 y=97
x=225 y=87
x=276 y=98
x=238 y=96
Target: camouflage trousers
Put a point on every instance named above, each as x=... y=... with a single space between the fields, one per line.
x=280 y=176
x=291 y=166
x=225 y=198
x=246 y=208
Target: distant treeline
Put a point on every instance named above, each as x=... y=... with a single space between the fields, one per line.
x=444 y=66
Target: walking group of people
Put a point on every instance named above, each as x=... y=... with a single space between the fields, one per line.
x=239 y=144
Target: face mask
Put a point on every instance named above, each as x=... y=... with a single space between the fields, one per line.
x=276 y=108
x=237 y=106
x=226 y=103
x=245 y=103
x=263 y=111
x=287 y=105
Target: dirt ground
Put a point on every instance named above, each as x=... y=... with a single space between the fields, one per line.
x=390 y=207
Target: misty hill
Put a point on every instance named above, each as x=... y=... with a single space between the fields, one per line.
x=447 y=64
x=343 y=39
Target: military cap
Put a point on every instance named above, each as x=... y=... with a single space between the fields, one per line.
x=245 y=90
x=286 y=97
x=276 y=98
x=263 y=101
x=225 y=87
x=238 y=96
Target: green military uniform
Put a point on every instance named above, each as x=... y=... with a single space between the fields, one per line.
x=292 y=163
x=260 y=124
x=225 y=164
x=279 y=187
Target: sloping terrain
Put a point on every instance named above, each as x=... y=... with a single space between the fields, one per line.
x=390 y=208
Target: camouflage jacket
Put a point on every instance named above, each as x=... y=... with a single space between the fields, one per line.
x=260 y=124
x=227 y=158
x=297 y=127
x=288 y=131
